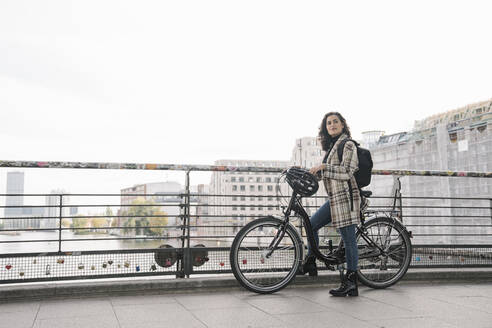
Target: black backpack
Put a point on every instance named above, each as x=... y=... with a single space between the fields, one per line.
x=363 y=175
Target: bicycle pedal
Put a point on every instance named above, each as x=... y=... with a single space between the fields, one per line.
x=331 y=267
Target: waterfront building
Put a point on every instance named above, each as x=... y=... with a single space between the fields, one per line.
x=21 y=216
x=239 y=197
x=15 y=185
x=52 y=208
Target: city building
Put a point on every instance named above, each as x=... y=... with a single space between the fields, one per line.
x=52 y=209
x=21 y=216
x=238 y=197
x=456 y=140
x=15 y=185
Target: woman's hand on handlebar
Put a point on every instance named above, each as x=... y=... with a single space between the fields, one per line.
x=314 y=170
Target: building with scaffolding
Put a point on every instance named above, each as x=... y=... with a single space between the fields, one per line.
x=456 y=140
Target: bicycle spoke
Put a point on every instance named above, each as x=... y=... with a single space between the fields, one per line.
x=384 y=253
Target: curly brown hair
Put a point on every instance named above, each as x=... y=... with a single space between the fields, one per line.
x=323 y=134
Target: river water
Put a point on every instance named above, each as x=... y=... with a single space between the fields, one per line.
x=26 y=246
x=23 y=243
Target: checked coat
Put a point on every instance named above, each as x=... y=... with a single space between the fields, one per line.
x=337 y=178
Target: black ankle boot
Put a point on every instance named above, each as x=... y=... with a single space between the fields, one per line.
x=309 y=267
x=348 y=286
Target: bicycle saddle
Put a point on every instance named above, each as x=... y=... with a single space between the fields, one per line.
x=366 y=193
x=301 y=181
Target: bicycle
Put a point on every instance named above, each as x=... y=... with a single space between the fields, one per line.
x=266 y=253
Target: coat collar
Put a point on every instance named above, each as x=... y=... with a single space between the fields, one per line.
x=335 y=147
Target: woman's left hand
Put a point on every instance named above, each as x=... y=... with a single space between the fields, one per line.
x=316 y=169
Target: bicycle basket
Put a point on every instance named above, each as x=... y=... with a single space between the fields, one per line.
x=302 y=181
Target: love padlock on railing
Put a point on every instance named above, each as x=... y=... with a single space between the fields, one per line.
x=165 y=256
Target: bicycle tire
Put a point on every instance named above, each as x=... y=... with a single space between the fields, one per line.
x=380 y=271
x=250 y=263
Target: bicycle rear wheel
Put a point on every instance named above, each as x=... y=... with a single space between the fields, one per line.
x=257 y=265
x=385 y=265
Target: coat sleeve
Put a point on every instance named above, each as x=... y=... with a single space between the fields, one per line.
x=346 y=169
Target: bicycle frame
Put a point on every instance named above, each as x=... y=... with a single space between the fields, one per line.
x=296 y=206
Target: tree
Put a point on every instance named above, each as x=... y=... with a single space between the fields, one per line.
x=98 y=222
x=66 y=223
x=80 y=222
x=146 y=217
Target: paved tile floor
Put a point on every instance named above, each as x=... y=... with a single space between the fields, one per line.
x=404 y=305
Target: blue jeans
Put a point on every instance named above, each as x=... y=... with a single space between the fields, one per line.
x=321 y=218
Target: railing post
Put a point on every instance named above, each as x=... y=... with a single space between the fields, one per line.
x=60 y=224
x=184 y=256
x=187 y=253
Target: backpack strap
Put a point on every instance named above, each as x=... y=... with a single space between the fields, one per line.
x=340 y=148
x=341 y=145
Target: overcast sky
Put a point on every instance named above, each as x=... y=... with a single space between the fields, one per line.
x=195 y=81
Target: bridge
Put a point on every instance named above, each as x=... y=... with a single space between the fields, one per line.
x=176 y=272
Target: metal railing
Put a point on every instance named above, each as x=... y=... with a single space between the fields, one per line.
x=185 y=233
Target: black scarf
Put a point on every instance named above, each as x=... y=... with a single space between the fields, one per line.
x=330 y=147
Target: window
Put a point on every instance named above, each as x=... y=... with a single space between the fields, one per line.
x=250 y=179
x=260 y=188
x=243 y=198
x=234 y=198
x=251 y=188
x=242 y=188
x=268 y=179
x=241 y=179
x=233 y=179
x=260 y=198
x=242 y=208
x=252 y=208
x=270 y=198
x=234 y=188
x=270 y=188
x=260 y=208
x=252 y=198
x=234 y=208
x=258 y=179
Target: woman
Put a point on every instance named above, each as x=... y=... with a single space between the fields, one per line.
x=343 y=206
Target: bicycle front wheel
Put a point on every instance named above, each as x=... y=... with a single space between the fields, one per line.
x=385 y=252
x=257 y=263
